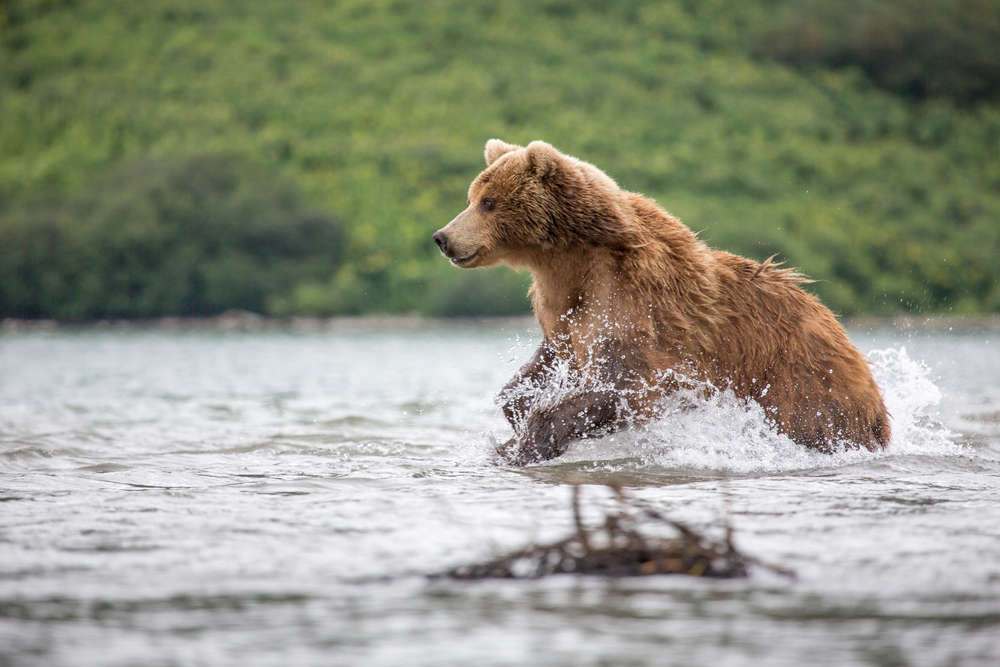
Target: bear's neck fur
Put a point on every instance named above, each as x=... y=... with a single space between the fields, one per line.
x=655 y=279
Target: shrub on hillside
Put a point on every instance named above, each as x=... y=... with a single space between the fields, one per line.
x=161 y=236
x=480 y=292
x=920 y=48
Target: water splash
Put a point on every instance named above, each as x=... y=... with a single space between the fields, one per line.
x=909 y=394
x=728 y=434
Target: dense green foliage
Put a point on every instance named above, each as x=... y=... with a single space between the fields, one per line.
x=378 y=111
x=162 y=237
x=920 y=48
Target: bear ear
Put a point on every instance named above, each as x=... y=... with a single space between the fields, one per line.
x=542 y=158
x=495 y=148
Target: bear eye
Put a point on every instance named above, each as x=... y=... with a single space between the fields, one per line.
x=487 y=203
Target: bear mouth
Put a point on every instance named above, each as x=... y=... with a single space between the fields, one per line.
x=462 y=261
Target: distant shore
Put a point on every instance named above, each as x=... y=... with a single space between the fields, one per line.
x=251 y=322
x=929 y=323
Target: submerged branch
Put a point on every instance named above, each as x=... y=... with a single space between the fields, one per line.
x=619 y=549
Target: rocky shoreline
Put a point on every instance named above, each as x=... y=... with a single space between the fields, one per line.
x=251 y=322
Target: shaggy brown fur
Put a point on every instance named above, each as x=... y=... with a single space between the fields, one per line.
x=633 y=300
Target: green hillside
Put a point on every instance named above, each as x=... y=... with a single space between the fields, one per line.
x=758 y=122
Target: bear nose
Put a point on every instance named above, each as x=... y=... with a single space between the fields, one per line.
x=441 y=239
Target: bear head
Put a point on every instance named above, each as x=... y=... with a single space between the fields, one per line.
x=533 y=200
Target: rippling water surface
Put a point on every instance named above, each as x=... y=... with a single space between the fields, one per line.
x=206 y=498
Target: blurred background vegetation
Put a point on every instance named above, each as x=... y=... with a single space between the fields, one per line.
x=185 y=157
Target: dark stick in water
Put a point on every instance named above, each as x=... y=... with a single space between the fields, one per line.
x=618 y=549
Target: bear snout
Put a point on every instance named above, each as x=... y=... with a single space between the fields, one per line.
x=442 y=241
x=458 y=253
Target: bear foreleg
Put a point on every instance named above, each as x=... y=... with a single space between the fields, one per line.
x=543 y=432
x=548 y=430
x=517 y=395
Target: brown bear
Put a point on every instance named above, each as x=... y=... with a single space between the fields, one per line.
x=630 y=300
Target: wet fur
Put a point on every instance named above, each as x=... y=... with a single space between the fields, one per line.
x=624 y=292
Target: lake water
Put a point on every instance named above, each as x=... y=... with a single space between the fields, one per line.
x=199 y=497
